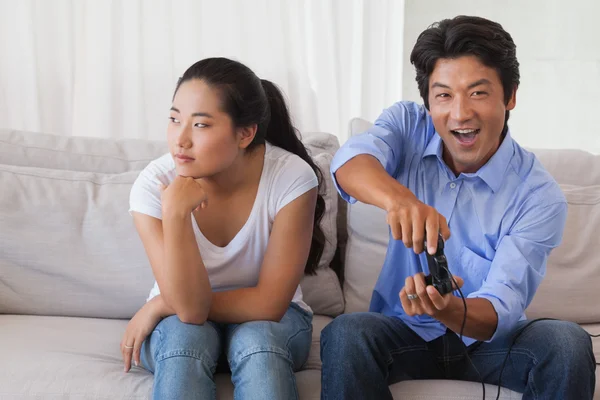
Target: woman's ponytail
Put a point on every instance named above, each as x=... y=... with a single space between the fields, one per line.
x=281 y=133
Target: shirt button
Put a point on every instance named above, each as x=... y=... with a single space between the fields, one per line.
x=452 y=185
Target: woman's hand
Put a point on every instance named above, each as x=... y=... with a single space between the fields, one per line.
x=138 y=329
x=184 y=195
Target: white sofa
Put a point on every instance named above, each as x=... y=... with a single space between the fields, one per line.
x=73 y=270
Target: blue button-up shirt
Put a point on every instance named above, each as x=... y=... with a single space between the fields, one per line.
x=504 y=219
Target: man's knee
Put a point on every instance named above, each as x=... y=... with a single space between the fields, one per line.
x=181 y=339
x=348 y=332
x=563 y=342
x=571 y=342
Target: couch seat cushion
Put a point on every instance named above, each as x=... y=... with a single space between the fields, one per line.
x=79 y=358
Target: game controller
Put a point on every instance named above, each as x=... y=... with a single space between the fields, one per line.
x=439 y=276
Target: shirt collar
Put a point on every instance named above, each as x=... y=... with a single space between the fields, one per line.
x=492 y=172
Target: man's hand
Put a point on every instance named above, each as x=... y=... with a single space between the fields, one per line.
x=184 y=194
x=429 y=301
x=413 y=222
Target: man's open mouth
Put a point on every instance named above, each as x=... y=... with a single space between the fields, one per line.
x=466 y=136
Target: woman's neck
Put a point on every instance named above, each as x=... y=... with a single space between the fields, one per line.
x=245 y=171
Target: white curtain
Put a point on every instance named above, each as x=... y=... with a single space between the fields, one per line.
x=108 y=68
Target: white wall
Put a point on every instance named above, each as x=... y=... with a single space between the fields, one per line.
x=558 y=47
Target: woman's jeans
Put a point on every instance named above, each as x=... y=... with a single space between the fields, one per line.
x=261 y=355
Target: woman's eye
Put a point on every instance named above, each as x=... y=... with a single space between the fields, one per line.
x=199 y=125
x=174 y=120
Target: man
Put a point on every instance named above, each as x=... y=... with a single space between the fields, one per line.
x=452 y=167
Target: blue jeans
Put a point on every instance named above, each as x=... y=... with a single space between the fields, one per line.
x=261 y=355
x=364 y=353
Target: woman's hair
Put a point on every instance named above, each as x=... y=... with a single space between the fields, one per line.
x=464 y=36
x=249 y=100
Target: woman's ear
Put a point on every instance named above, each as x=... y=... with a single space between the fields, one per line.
x=246 y=135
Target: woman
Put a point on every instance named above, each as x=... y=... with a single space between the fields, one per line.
x=229 y=220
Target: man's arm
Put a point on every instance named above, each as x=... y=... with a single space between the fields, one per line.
x=365 y=169
x=513 y=278
x=364 y=178
x=520 y=263
x=482 y=319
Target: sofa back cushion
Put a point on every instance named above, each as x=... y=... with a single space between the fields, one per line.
x=368 y=237
x=67 y=243
x=109 y=156
x=570 y=288
x=573 y=270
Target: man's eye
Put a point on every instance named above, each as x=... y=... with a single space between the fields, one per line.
x=174 y=120
x=442 y=95
x=479 y=93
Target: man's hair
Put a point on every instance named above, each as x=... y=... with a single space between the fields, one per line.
x=464 y=36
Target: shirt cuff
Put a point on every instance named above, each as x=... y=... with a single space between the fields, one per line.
x=146 y=210
x=506 y=319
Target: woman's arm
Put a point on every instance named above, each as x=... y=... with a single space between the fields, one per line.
x=185 y=280
x=177 y=265
x=281 y=271
x=176 y=262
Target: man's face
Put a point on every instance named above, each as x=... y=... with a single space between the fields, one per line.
x=466 y=103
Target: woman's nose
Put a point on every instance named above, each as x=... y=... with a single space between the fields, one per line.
x=184 y=138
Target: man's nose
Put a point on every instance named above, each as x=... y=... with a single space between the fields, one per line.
x=461 y=109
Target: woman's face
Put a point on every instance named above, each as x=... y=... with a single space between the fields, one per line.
x=202 y=138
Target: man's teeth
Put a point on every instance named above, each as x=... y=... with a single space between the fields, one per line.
x=465 y=131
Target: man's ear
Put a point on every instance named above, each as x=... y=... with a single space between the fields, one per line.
x=512 y=102
x=246 y=135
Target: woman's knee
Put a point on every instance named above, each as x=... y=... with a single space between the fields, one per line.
x=255 y=336
x=181 y=339
x=266 y=343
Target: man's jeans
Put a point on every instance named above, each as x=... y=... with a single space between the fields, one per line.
x=262 y=356
x=363 y=353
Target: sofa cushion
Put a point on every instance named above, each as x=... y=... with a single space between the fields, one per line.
x=571 y=166
x=68 y=246
x=109 y=156
x=314 y=356
x=437 y=389
x=368 y=236
x=323 y=292
x=79 y=358
x=573 y=270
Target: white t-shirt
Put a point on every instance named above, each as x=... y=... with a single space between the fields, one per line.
x=285 y=176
